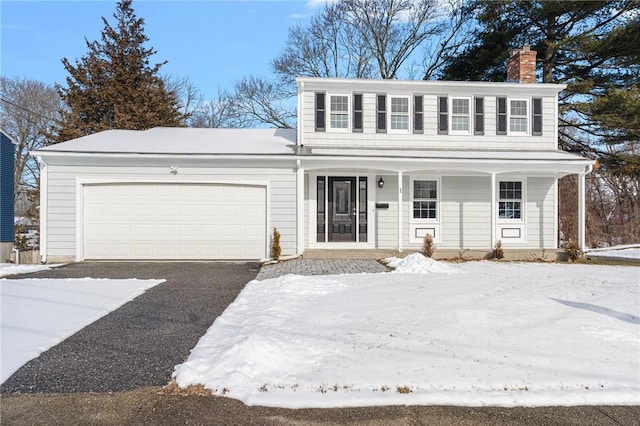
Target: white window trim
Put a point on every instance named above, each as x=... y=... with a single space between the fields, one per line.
x=470 y=116
x=523 y=202
x=409 y=128
x=527 y=116
x=349 y=113
x=438 y=198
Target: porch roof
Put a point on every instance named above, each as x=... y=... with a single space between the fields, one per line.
x=555 y=162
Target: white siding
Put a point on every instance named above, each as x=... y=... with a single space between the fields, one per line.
x=540 y=212
x=61 y=197
x=430 y=139
x=466 y=212
x=387 y=219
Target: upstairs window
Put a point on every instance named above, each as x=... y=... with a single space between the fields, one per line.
x=339 y=112
x=537 y=117
x=460 y=115
x=518 y=116
x=357 y=112
x=510 y=200
x=399 y=114
x=425 y=199
x=418 y=114
x=320 y=112
x=381 y=113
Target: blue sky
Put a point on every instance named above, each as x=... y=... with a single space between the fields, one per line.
x=214 y=43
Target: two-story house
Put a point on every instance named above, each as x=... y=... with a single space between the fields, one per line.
x=374 y=164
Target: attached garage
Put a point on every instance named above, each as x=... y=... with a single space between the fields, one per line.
x=199 y=221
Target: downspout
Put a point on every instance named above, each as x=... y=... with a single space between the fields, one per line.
x=582 y=207
x=493 y=210
x=299 y=141
x=400 y=211
x=44 y=184
x=300 y=208
x=299 y=175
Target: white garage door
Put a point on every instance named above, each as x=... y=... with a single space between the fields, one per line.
x=174 y=221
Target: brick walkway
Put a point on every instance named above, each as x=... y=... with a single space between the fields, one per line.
x=320 y=267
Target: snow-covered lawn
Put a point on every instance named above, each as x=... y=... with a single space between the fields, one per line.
x=39 y=313
x=12 y=269
x=477 y=333
x=625 y=252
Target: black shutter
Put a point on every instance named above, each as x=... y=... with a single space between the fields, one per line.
x=357 y=113
x=478 y=123
x=501 y=124
x=418 y=114
x=381 y=117
x=537 y=117
x=320 y=110
x=443 y=115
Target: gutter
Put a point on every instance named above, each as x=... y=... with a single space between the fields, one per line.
x=76 y=154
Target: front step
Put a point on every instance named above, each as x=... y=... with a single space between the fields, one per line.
x=348 y=254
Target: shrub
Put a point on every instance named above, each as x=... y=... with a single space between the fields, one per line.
x=572 y=250
x=427 y=246
x=498 y=253
x=275 y=246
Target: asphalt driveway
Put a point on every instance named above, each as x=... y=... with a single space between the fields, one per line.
x=138 y=344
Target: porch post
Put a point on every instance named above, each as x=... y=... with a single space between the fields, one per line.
x=300 y=209
x=493 y=210
x=400 y=211
x=581 y=211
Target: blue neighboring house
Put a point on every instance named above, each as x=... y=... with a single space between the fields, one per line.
x=7 y=153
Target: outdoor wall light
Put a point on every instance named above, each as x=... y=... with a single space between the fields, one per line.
x=173 y=170
x=380 y=183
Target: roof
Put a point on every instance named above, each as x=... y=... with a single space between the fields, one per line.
x=181 y=140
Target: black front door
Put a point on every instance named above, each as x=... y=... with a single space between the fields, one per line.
x=341 y=199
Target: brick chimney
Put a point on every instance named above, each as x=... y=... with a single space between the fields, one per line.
x=521 y=65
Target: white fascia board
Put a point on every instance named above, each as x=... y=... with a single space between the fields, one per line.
x=91 y=158
x=450 y=165
x=430 y=86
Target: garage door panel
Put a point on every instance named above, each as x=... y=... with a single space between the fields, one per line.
x=174 y=221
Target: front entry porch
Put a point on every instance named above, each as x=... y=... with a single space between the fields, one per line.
x=465 y=201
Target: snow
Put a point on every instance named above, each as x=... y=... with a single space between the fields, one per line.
x=162 y=140
x=39 y=313
x=416 y=263
x=626 y=252
x=13 y=269
x=492 y=333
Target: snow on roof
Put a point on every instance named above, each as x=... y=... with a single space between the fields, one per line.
x=180 y=140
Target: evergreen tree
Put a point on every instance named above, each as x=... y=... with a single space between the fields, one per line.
x=114 y=86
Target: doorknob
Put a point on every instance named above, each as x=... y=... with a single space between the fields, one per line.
x=354 y=212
